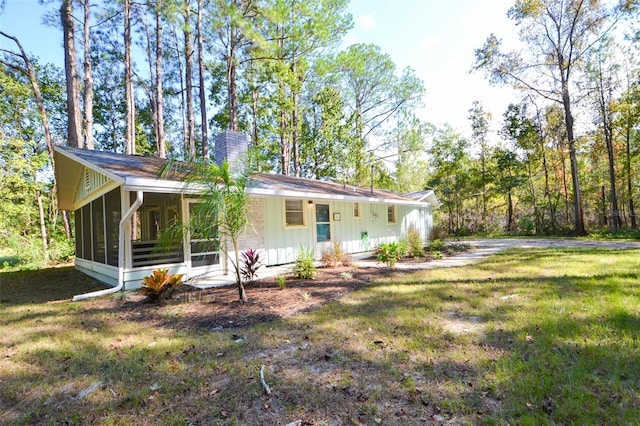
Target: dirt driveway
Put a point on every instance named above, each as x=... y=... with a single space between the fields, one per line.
x=484 y=247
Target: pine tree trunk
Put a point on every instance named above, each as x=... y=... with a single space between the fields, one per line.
x=632 y=212
x=160 y=134
x=232 y=95
x=151 y=91
x=71 y=73
x=88 y=81
x=295 y=143
x=509 y=212
x=202 y=89
x=188 y=76
x=128 y=82
x=578 y=215
x=183 y=115
x=43 y=231
x=254 y=111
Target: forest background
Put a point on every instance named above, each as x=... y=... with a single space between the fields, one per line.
x=564 y=160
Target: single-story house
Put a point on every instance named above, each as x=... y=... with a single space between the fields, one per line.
x=122 y=203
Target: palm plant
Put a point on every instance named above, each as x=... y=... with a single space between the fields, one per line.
x=221 y=212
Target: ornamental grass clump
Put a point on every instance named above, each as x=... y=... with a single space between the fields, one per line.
x=304 y=268
x=160 y=285
x=336 y=256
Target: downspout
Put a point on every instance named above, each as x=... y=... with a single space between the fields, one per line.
x=121 y=244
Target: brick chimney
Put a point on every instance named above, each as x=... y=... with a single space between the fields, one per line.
x=232 y=146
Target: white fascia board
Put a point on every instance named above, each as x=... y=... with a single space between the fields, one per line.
x=317 y=196
x=432 y=199
x=91 y=166
x=162 y=186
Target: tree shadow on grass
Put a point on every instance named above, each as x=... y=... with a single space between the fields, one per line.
x=45 y=285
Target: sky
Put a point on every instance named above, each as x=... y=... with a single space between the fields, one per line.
x=436 y=38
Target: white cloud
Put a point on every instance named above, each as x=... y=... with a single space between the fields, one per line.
x=365 y=22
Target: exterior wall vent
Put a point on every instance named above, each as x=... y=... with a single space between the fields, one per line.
x=87 y=179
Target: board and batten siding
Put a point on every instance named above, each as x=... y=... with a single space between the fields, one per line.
x=419 y=217
x=282 y=244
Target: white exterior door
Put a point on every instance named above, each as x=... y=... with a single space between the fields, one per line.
x=322 y=229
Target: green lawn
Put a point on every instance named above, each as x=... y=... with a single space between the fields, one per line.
x=525 y=337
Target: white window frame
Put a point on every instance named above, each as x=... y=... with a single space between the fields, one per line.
x=302 y=211
x=357 y=211
x=392 y=214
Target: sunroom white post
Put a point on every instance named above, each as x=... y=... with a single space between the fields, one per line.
x=186 y=236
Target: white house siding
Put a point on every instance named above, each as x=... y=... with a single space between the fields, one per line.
x=282 y=245
x=349 y=230
x=419 y=218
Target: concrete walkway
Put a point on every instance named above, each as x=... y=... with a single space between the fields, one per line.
x=485 y=247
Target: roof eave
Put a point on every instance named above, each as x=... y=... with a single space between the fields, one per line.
x=320 y=196
x=159 y=185
x=90 y=165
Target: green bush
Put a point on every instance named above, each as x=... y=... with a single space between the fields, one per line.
x=525 y=226
x=414 y=242
x=391 y=252
x=436 y=245
x=304 y=268
x=61 y=250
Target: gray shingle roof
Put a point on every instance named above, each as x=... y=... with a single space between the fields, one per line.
x=129 y=167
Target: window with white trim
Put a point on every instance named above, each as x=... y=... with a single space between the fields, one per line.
x=294 y=213
x=391 y=214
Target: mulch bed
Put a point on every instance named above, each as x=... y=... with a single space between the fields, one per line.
x=219 y=308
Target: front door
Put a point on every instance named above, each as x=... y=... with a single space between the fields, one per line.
x=323 y=229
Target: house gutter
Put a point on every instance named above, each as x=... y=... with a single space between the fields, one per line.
x=136 y=204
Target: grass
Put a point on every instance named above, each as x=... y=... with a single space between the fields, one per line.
x=525 y=337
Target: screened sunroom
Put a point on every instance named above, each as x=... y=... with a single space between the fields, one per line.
x=118 y=226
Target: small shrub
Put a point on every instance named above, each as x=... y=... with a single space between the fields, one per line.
x=436 y=254
x=436 y=245
x=525 y=226
x=160 y=285
x=336 y=256
x=414 y=242
x=305 y=296
x=456 y=247
x=390 y=253
x=304 y=268
x=346 y=275
x=282 y=281
x=251 y=262
x=122 y=295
